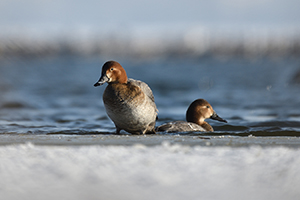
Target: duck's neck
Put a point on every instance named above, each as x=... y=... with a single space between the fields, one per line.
x=122 y=76
x=200 y=122
x=207 y=126
x=123 y=79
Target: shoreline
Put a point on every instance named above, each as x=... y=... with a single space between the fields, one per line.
x=148 y=140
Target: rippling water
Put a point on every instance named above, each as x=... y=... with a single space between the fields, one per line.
x=56 y=95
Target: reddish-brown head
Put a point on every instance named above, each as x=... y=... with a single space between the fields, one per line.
x=112 y=72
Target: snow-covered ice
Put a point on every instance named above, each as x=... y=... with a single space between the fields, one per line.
x=165 y=171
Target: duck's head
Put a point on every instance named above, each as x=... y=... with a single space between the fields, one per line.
x=199 y=110
x=112 y=72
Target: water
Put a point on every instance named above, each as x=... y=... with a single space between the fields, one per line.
x=55 y=135
x=55 y=95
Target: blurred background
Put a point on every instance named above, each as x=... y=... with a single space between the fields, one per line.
x=149 y=28
x=243 y=56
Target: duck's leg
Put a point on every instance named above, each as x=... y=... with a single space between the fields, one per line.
x=118 y=131
x=151 y=131
x=151 y=128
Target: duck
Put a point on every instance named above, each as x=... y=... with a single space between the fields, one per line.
x=197 y=112
x=129 y=103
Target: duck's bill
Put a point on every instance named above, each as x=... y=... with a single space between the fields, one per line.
x=216 y=117
x=103 y=79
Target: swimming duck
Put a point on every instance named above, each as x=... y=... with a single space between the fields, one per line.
x=129 y=103
x=198 y=111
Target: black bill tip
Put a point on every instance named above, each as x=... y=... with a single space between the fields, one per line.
x=97 y=84
x=216 y=117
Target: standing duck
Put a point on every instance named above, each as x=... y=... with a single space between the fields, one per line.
x=129 y=103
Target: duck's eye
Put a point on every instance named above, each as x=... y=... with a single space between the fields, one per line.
x=207 y=107
x=111 y=69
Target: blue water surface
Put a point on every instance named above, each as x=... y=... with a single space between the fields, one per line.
x=55 y=95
